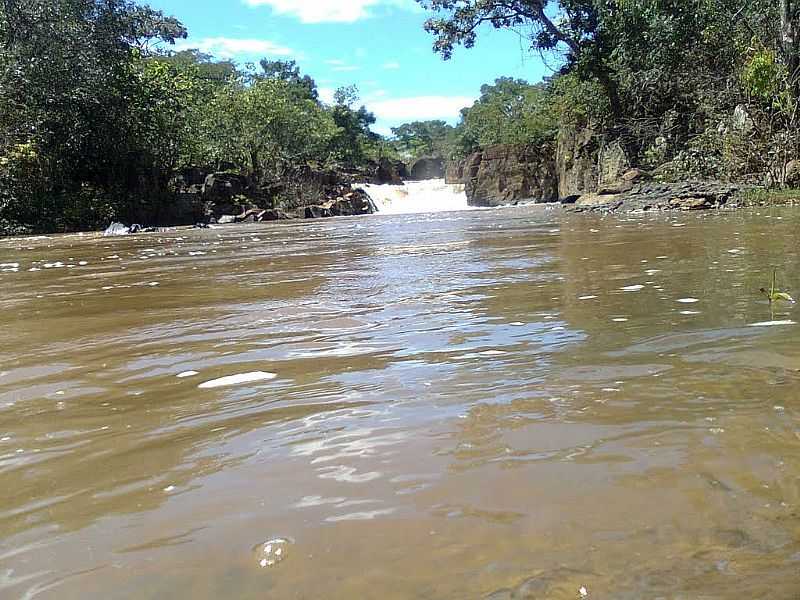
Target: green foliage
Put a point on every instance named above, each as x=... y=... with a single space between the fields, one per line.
x=351 y=144
x=762 y=75
x=424 y=138
x=509 y=112
x=264 y=129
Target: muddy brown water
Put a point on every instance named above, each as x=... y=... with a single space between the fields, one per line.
x=493 y=404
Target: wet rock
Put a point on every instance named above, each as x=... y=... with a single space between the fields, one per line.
x=117 y=229
x=389 y=172
x=507 y=175
x=357 y=202
x=272 y=552
x=689 y=195
x=316 y=212
x=274 y=214
x=427 y=167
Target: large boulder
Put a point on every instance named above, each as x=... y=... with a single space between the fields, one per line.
x=504 y=175
x=792 y=174
x=357 y=202
x=427 y=167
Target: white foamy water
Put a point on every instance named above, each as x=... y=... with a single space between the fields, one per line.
x=239 y=379
x=430 y=196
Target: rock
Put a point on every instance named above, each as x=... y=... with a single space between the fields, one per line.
x=742 y=121
x=316 y=212
x=357 y=202
x=618 y=187
x=427 y=167
x=792 y=174
x=576 y=160
x=691 y=203
x=586 y=162
x=454 y=172
x=190 y=179
x=250 y=215
x=201 y=225
x=688 y=195
x=505 y=175
x=597 y=199
x=634 y=175
x=613 y=164
x=226 y=219
x=117 y=229
x=274 y=214
x=222 y=187
x=388 y=172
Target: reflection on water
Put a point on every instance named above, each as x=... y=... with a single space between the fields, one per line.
x=489 y=404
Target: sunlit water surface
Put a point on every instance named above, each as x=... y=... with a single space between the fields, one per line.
x=495 y=404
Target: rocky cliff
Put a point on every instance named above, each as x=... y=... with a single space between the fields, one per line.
x=504 y=175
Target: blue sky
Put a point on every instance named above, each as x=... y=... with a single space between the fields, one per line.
x=379 y=45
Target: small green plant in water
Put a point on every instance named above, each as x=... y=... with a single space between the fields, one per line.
x=774 y=294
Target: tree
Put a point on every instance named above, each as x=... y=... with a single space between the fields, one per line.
x=351 y=143
x=424 y=138
x=265 y=129
x=577 y=32
x=289 y=72
x=509 y=112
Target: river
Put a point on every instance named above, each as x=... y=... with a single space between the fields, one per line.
x=501 y=404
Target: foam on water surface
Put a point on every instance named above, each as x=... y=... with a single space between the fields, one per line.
x=238 y=379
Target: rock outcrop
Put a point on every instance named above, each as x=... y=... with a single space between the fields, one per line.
x=586 y=162
x=454 y=172
x=427 y=167
x=506 y=175
x=645 y=195
x=389 y=172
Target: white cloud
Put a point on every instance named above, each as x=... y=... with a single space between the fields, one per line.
x=325 y=11
x=420 y=108
x=391 y=66
x=326 y=94
x=340 y=65
x=225 y=48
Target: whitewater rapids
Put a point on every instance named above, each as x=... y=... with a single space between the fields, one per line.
x=430 y=196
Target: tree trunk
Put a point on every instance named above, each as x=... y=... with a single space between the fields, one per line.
x=790 y=42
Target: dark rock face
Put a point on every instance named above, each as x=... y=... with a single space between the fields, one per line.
x=506 y=175
x=389 y=172
x=316 y=212
x=427 y=167
x=454 y=172
x=223 y=187
x=274 y=214
x=357 y=202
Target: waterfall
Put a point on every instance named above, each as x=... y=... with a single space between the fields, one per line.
x=432 y=195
